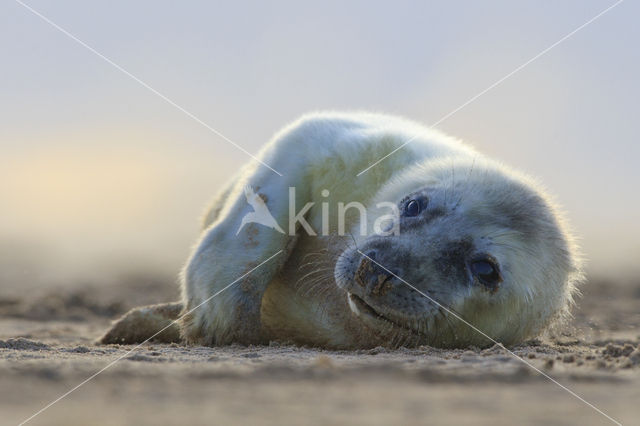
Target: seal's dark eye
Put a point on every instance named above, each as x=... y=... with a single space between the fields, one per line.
x=412 y=208
x=486 y=271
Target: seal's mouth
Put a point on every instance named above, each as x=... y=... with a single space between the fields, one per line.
x=360 y=307
x=374 y=318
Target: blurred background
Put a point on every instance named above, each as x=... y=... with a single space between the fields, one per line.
x=101 y=178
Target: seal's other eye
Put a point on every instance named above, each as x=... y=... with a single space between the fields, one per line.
x=412 y=208
x=487 y=272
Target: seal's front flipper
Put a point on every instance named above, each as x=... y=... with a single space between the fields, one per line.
x=154 y=322
x=241 y=252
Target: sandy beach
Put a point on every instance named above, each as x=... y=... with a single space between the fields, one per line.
x=122 y=120
x=47 y=347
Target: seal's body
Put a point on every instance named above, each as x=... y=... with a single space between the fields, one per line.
x=469 y=238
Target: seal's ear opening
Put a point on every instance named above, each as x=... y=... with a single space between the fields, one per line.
x=155 y=322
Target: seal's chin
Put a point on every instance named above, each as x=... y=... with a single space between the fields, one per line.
x=372 y=318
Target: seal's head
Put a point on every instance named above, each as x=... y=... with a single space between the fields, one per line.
x=474 y=241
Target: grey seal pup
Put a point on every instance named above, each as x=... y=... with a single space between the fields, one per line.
x=321 y=249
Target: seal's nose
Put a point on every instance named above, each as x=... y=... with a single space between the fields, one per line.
x=375 y=280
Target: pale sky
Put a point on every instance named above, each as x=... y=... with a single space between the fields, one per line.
x=95 y=170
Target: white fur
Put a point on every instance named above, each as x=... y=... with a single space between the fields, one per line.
x=327 y=151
